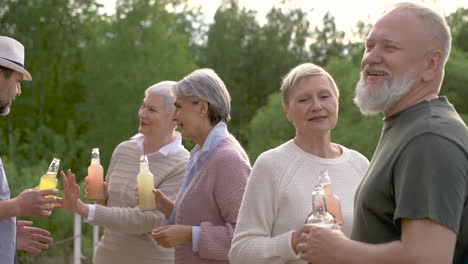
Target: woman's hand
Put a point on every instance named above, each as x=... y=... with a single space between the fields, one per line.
x=71 y=195
x=163 y=203
x=172 y=235
x=101 y=202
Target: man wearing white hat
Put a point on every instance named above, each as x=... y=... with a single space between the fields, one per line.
x=31 y=202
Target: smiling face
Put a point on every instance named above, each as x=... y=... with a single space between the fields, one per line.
x=9 y=88
x=392 y=64
x=155 y=120
x=189 y=117
x=313 y=106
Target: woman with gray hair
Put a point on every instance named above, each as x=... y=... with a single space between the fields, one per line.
x=278 y=196
x=127 y=229
x=204 y=215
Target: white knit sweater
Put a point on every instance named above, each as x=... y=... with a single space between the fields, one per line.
x=278 y=199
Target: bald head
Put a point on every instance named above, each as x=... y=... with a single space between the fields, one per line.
x=433 y=25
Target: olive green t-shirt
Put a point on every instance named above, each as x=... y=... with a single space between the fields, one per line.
x=419 y=170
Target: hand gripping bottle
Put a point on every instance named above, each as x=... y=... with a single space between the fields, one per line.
x=95 y=181
x=145 y=182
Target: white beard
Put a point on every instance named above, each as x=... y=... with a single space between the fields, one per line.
x=371 y=102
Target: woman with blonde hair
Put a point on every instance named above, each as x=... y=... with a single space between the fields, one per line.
x=278 y=196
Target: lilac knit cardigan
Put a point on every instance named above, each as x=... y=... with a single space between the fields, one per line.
x=212 y=201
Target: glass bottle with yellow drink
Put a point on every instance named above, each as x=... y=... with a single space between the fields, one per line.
x=49 y=180
x=145 y=182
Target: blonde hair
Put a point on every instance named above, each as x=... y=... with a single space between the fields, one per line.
x=302 y=71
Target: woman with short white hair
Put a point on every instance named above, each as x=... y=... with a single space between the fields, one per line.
x=204 y=215
x=278 y=196
x=127 y=229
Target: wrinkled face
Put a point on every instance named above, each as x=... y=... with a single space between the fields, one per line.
x=392 y=62
x=9 y=89
x=188 y=116
x=154 y=116
x=313 y=106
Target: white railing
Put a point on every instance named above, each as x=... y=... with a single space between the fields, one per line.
x=77 y=239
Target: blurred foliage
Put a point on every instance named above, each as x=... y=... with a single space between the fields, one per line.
x=456 y=79
x=90 y=71
x=269 y=127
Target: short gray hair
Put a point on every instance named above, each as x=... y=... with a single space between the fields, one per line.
x=300 y=72
x=205 y=84
x=163 y=89
x=435 y=22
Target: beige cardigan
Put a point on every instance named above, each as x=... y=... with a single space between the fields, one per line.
x=127 y=230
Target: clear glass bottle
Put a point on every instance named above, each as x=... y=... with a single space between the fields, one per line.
x=95 y=181
x=319 y=215
x=49 y=180
x=145 y=182
x=331 y=200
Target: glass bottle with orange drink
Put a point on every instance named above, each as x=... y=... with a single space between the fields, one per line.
x=95 y=180
x=331 y=200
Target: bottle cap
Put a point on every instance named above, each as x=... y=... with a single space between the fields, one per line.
x=95 y=153
x=54 y=166
x=143 y=159
x=324 y=179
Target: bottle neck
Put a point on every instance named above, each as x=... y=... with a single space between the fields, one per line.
x=144 y=167
x=318 y=201
x=95 y=161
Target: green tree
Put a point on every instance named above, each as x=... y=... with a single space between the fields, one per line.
x=458 y=22
x=52 y=38
x=269 y=127
x=355 y=47
x=252 y=59
x=455 y=80
x=327 y=41
x=142 y=44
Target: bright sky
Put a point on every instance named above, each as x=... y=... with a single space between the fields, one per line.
x=346 y=13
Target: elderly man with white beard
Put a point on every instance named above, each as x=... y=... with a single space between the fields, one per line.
x=412 y=205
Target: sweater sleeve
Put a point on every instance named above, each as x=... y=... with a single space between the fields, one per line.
x=231 y=177
x=128 y=220
x=253 y=241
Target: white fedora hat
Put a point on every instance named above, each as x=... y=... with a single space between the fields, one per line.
x=12 y=56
